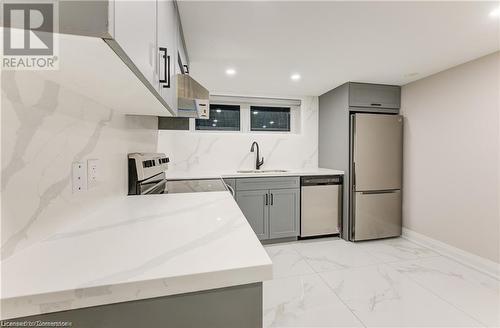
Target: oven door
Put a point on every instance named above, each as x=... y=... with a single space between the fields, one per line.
x=157 y=188
x=153 y=185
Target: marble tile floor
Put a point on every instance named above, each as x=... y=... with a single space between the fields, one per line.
x=384 y=283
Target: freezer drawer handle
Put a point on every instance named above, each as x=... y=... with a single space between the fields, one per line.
x=379 y=192
x=375 y=104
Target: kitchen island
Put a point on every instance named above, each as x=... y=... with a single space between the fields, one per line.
x=165 y=260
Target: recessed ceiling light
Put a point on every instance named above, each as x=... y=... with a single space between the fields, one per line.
x=272 y=122
x=495 y=12
x=295 y=77
x=255 y=113
x=264 y=126
x=215 y=121
x=214 y=124
x=218 y=110
x=230 y=71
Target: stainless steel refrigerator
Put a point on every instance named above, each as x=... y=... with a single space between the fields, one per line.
x=376 y=162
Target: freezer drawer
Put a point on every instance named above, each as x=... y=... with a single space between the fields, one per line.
x=377 y=215
x=320 y=210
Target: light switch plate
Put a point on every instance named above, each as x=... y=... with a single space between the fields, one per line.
x=79 y=177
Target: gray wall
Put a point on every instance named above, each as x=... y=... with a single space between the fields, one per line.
x=451 y=156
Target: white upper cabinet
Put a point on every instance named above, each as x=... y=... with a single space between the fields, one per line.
x=143 y=34
x=135 y=28
x=167 y=28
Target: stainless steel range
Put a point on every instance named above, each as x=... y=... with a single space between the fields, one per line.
x=146 y=175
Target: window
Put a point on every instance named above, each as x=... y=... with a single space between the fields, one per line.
x=247 y=115
x=222 y=117
x=269 y=118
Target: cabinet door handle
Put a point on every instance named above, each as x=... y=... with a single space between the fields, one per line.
x=166 y=68
x=376 y=104
x=272 y=199
x=267 y=199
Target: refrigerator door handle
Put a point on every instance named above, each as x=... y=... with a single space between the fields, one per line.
x=353 y=176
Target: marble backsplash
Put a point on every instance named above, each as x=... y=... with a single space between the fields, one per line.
x=45 y=127
x=198 y=152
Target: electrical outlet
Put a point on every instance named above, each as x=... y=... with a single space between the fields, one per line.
x=92 y=172
x=79 y=177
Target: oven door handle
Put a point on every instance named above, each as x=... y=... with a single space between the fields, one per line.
x=155 y=187
x=231 y=190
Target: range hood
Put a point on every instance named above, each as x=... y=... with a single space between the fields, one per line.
x=192 y=98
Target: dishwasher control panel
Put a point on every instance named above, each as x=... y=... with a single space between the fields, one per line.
x=321 y=180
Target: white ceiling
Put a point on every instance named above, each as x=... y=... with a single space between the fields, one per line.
x=330 y=43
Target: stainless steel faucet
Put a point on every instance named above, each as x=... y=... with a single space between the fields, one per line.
x=258 y=163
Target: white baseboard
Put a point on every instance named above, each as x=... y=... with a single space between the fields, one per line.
x=479 y=263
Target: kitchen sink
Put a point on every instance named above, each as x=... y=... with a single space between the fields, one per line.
x=262 y=171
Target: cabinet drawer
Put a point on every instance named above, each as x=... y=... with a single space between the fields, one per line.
x=374 y=95
x=267 y=183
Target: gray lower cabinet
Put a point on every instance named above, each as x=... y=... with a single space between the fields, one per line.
x=284 y=213
x=254 y=205
x=271 y=212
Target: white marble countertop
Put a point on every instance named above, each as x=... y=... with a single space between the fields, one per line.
x=234 y=174
x=136 y=247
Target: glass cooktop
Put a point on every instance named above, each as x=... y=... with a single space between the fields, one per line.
x=198 y=185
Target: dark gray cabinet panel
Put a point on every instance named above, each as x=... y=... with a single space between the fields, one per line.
x=267 y=183
x=284 y=213
x=374 y=95
x=254 y=205
x=237 y=306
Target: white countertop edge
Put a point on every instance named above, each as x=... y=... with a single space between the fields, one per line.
x=103 y=295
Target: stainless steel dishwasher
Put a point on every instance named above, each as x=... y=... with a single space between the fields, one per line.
x=321 y=205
